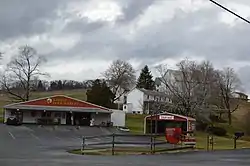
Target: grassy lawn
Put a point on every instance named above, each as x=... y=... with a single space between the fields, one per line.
x=220 y=143
x=135 y=124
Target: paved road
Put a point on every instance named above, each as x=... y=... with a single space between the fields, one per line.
x=30 y=145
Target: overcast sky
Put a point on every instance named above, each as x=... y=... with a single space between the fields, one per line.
x=81 y=38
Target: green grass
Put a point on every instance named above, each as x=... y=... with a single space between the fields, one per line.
x=135 y=124
x=220 y=143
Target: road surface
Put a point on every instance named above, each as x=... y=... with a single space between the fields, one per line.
x=34 y=146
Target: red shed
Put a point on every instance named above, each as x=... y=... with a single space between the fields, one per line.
x=159 y=122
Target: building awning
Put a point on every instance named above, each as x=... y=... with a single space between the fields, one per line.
x=58 y=103
x=56 y=108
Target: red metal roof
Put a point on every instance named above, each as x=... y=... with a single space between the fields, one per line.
x=58 y=101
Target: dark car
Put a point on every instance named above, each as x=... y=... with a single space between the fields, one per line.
x=13 y=121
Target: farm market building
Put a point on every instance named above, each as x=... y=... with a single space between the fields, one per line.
x=58 y=109
x=159 y=122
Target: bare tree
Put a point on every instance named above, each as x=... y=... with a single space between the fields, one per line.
x=189 y=86
x=22 y=73
x=120 y=77
x=228 y=82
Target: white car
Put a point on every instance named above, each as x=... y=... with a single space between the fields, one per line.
x=124 y=129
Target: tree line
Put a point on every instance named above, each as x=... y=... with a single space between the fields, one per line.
x=196 y=89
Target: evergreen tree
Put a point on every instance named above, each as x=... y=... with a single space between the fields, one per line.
x=59 y=85
x=40 y=86
x=100 y=94
x=145 y=79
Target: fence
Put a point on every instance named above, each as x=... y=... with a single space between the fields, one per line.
x=151 y=143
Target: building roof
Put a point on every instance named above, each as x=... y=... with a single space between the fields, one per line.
x=240 y=93
x=158 y=81
x=177 y=115
x=58 y=103
x=152 y=92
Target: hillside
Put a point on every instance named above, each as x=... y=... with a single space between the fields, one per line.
x=78 y=93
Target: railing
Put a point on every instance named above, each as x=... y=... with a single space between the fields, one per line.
x=151 y=143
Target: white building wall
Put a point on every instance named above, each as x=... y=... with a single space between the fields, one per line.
x=27 y=118
x=100 y=117
x=118 y=118
x=7 y=113
x=135 y=99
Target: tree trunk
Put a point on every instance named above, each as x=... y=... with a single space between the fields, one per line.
x=229 y=117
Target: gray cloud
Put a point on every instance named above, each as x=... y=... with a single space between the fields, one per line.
x=132 y=8
x=199 y=33
x=27 y=17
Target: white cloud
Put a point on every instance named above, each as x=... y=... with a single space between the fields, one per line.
x=96 y=10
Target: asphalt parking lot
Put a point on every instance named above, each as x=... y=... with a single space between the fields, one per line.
x=33 y=145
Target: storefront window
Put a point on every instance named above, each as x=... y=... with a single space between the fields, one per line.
x=33 y=113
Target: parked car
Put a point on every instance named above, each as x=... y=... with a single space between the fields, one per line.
x=124 y=129
x=12 y=120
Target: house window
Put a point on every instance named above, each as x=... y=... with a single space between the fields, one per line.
x=125 y=107
x=134 y=112
x=12 y=113
x=138 y=112
x=148 y=97
x=63 y=115
x=33 y=113
x=46 y=114
x=125 y=99
x=57 y=115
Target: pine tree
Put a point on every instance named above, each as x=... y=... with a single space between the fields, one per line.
x=145 y=79
x=59 y=85
x=40 y=86
x=100 y=94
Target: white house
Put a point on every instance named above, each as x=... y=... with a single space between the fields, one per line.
x=171 y=76
x=240 y=95
x=138 y=100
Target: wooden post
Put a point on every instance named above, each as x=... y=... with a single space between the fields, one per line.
x=212 y=142
x=83 y=145
x=234 y=142
x=208 y=142
x=113 y=144
x=154 y=144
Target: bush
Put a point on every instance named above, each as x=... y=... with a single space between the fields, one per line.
x=218 y=131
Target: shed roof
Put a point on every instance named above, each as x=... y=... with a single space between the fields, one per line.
x=171 y=114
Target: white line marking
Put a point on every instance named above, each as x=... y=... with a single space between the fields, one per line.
x=34 y=136
x=58 y=138
x=12 y=135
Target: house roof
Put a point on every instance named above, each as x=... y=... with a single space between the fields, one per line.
x=152 y=93
x=240 y=93
x=58 y=103
x=158 y=81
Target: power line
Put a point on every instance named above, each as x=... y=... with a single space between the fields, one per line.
x=230 y=11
